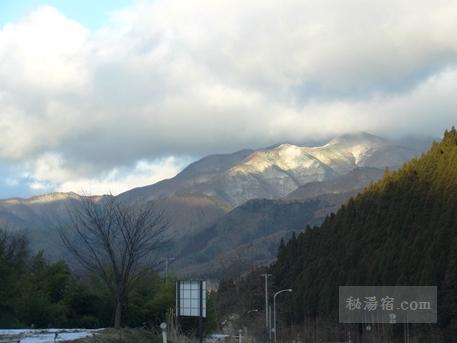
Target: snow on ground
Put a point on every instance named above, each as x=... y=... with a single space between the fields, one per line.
x=44 y=336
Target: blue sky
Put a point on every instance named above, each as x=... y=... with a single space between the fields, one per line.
x=91 y=13
x=101 y=106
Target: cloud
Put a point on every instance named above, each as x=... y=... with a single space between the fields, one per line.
x=82 y=108
x=44 y=54
x=122 y=179
x=52 y=173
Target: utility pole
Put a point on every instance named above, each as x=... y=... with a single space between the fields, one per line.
x=267 y=311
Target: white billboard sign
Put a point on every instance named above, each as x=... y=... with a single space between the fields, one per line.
x=191 y=298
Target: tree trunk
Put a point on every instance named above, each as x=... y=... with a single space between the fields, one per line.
x=118 y=315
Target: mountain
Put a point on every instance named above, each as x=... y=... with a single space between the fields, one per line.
x=187 y=215
x=274 y=172
x=200 y=172
x=40 y=216
x=37 y=218
x=249 y=235
x=206 y=235
x=401 y=230
x=356 y=179
x=211 y=200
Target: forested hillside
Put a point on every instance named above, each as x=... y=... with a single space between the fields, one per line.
x=402 y=230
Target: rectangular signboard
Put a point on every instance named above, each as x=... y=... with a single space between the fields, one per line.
x=388 y=304
x=191 y=298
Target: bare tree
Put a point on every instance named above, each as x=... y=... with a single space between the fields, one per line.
x=13 y=244
x=116 y=243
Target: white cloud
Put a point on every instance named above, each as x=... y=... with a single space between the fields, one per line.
x=44 y=54
x=190 y=77
x=117 y=181
x=38 y=186
x=51 y=172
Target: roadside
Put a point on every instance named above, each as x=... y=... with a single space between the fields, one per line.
x=44 y=336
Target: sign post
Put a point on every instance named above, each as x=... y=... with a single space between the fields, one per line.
x=200 y=316
x=191 y=301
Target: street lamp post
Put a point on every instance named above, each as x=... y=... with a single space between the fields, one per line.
x=267 y=321
x=274 y=308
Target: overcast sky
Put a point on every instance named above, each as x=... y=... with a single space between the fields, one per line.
x=102 y=98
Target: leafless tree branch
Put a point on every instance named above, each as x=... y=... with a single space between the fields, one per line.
x=115 y=242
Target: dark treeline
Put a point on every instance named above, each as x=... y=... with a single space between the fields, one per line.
x=401 y=230
x=37 y=293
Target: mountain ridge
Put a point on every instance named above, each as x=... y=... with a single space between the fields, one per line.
x=206 y=193
x=276 y=171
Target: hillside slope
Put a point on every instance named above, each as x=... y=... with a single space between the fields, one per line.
x=249 y=235
x=39 y=217
x=356 y=179
x=402 y=230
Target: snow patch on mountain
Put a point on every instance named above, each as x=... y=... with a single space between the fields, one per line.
x=274 y=172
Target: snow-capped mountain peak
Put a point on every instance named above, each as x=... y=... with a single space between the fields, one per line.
x=342 y=154
x=275 y=172
x=360 y=145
